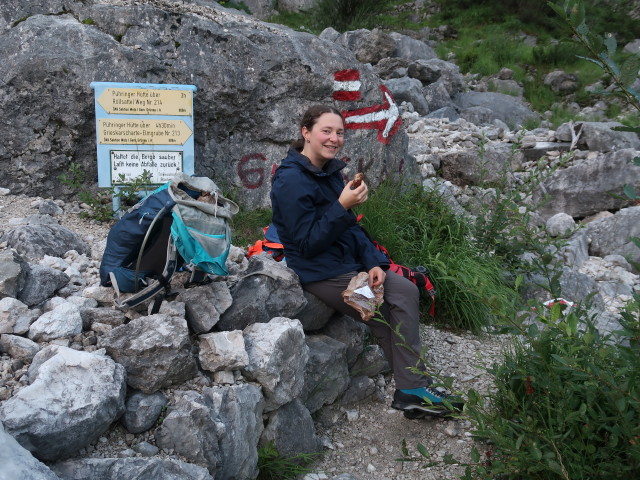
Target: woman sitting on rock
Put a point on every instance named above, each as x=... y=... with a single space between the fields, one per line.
x=326 y=248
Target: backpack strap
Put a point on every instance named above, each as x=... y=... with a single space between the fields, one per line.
x=418 y=276
x=155 y=286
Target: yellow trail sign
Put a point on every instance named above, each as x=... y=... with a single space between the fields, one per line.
x=141 y=101
x=143 y=132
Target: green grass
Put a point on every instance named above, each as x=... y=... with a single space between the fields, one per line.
x=273 y=466
x=248 y=226
x=419 y=228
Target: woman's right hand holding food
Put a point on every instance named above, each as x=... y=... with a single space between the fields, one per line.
x=350 y=198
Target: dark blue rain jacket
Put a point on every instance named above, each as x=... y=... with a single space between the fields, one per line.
x=321 y=239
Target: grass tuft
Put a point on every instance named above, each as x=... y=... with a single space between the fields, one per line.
x=418 y=227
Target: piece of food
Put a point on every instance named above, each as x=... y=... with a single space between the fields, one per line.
x=357 y=180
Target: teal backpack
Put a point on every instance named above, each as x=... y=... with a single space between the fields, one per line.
x=183 y=224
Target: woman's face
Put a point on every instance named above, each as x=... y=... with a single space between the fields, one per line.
x=324 y=140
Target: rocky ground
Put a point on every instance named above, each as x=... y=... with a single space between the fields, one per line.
x=362 y=441
x=366 y=441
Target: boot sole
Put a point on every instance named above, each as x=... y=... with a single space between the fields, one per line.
x=412 y=411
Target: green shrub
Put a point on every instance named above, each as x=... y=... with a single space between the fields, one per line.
x=555 y=55
x=100 y=203
x=418 y=227
x=565 y=403
x=344 y=15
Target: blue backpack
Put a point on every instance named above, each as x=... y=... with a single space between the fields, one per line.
x=184 y=223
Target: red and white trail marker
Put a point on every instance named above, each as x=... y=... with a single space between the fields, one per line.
x=384 y=117
x=346 y=85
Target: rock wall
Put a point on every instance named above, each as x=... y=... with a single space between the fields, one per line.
x=253 y=82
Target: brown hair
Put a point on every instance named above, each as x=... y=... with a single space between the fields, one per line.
x=310 y=118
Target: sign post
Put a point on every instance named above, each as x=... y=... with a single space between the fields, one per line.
x=140 y=128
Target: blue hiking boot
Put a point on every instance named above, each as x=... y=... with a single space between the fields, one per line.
x=426 y=402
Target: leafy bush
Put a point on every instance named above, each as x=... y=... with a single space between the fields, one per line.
x=418 y=227
x=566 y=403
x=100 y=203
x=344 y=15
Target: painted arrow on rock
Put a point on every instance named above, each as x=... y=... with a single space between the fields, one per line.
x=384 y=117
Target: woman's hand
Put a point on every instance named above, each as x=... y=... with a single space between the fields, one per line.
x=376 y=277
x=350 y=198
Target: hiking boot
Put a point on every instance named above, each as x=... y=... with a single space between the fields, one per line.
x=426 y=402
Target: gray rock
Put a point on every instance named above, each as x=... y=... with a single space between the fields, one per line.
x=12 y=273
x=19 y=348
x=633 y=47
x=15 y=316
x=40 y=283
x=409 y=90
x=268 y=289
x=371 y=362
x=18 y=463
x=142 y=411
x=220 y=351
x=92 y=315
x=239 y=408
x=315 y=313
x=586 y=187
x=41 y=219
x=119 y=468
x=508 y=87
x=468 y=167
x=330 y=34
x=191 y=429
x=205 y=304
x=73 y=399
x=445 y=112
x=62 y=321
x=438 y=71
x=576 y=251
x=326 y=375
x=438 y=97
x=219 y=428
x=511 y=110
x=278 y=355
x=146 y=449
x=369 y=46
x=292 y=417
x=599 y=136
x=424 y=71
x=391 y=67
x=49 y=207
x=560 y=225
x=562 y=82
x=612 y=235
x=155 y=350
x=348 y=331
x=574 y=286
x=360 y=388
x=35 y=241
x=478 y=115
x=412 y=49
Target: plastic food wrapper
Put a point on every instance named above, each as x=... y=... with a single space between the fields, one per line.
x=361 y=297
